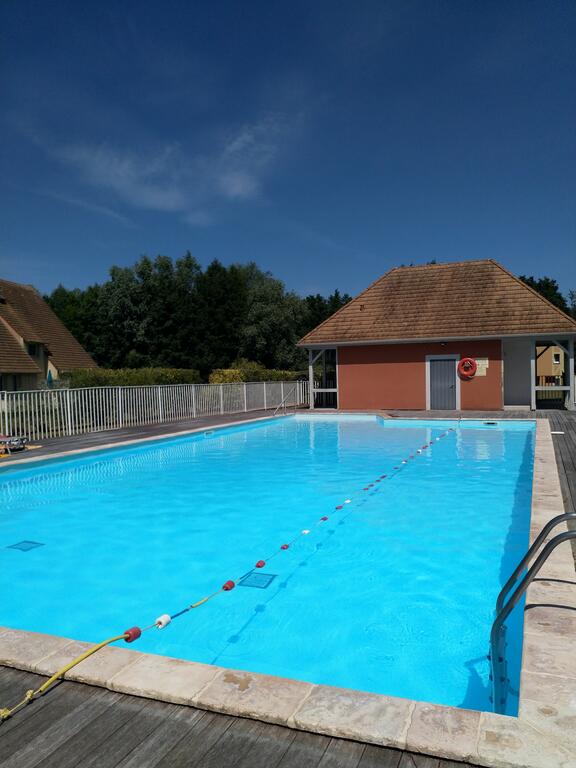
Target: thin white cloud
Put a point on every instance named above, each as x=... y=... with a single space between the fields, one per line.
x=198 y=218
x=237 y=185
x=150 y=181
x=170 y=180
x=101 y=210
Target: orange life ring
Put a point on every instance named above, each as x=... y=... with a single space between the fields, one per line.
x=467 y=367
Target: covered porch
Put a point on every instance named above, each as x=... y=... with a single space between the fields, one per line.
x=538 y=372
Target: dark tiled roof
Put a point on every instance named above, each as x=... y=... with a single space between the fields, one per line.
x=13 y=359
x=24 y=310
x=436 y=301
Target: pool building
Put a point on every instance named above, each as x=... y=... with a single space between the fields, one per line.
x=458 y=336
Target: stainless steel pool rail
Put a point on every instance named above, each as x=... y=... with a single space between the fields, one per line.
x=505 y=607
x=283 y=403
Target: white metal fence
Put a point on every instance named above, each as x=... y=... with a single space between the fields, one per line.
x=42 y=414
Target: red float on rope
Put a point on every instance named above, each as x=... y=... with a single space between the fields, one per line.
x=260 y=564
x=341 y=506
x=324 y=518
x=132 y=634
x=284 y=546
x=228 y=586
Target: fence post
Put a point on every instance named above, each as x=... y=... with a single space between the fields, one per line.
x=264 y=383
x=194 y=401
x=4 y=413
x=120 y=407
x=68 y=412
x=221 y=398
x=281 y=392
x=245 y=399
x=160 y=408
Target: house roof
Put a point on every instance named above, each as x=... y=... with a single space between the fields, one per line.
x=13 y=359
x=25 y=311
x=465 y=299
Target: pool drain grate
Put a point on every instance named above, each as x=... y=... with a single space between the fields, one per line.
x=258 y=580
x=25 y=546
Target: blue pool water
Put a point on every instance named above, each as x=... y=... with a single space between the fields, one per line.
x=392 y=594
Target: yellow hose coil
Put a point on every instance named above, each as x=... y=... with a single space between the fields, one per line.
x=31 y=694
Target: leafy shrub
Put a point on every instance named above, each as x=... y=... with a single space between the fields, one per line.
x=245 y=370
x=130 y=377
x=225 y=376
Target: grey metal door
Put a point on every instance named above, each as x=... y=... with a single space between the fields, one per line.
x=443 y=384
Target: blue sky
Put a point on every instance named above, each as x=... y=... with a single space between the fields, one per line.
x=327 y=141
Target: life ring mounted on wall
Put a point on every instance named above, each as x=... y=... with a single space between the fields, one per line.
x=467 y=367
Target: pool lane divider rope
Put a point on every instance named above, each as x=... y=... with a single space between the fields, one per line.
x=134 y=633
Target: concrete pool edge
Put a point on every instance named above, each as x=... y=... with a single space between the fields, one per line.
x=18 y=460
x=538 y=738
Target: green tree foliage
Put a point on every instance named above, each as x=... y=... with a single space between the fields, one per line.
x=173 y=314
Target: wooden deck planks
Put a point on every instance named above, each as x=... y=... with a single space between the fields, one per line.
x=77 y=725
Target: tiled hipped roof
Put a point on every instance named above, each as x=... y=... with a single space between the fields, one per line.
x=467 y=299
x=13 y=359
x=23 y=309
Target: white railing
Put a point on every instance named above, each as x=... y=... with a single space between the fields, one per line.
x=46 y=413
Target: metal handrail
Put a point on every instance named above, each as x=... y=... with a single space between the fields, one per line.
x=497 y=656
x=530 y=554
x=283 y=403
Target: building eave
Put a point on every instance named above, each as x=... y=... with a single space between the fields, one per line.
x=435 y=339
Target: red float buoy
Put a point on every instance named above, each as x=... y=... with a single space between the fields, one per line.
x=132 y=634
x=341 y=506
x=324 y=518
x=228 y=586
x=260 y=564
x=284 y=546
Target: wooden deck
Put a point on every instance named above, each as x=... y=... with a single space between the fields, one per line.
x=76 y=726
x=81 y=726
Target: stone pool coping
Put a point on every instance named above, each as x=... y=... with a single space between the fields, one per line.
x=17 y=460
x=541 y=737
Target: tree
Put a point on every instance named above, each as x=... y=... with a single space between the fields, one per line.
x=221 y=313
x=572 y=303
x=161 y=312
x=271 y=327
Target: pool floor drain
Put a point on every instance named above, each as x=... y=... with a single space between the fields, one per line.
x=25 y=546
x=258 y=580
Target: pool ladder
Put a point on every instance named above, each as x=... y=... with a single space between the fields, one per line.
x=504 y=607
x=283 y=405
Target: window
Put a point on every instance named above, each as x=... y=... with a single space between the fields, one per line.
x=556 y=358
x=33 y=350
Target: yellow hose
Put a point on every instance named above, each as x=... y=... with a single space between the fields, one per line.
x=31 y=694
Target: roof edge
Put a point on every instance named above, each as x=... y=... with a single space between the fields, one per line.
x=429 y=339
x=349 y=304
x=563 y=315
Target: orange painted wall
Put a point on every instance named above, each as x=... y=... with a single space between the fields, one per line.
x=394 y=375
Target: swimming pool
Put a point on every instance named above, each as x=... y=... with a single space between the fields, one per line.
x=393 y=594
